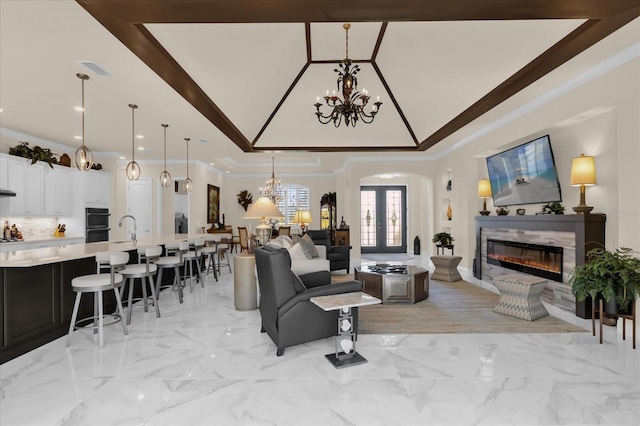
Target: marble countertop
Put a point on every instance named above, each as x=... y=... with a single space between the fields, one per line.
x=344 y=300
x=44 y=256
x=38 y=240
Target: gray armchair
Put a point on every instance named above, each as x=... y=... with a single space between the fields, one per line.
x=338 y=256
x=288 y=316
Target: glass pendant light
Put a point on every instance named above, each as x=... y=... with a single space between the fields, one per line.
x=133 y=169
x=187 y=185
x=165 y=177
x=83 y=158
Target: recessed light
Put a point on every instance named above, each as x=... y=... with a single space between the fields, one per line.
x=141 y=148
x=227 y=172
x=78 y=108
x=77 y=137
x=203 y=141
x=140 y=136
x=212 y=164
x=1 y=110
x=122 y=157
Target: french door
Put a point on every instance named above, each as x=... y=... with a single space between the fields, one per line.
x=383 y=219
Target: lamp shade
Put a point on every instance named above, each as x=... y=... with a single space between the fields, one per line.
x=484 y=188
x=262 y=208
x=583 y=171
x=302 y=216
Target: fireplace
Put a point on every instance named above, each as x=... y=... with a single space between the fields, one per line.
x=535 y=259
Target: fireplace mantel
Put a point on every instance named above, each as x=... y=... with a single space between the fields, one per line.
x=589 y=231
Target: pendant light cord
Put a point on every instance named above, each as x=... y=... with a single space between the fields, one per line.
x=83 y=113
x=165 y=145
x=187 y=139
x=133 y=132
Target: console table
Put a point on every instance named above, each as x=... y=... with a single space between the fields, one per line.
x=345 y=348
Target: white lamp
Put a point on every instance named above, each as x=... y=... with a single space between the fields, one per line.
x=303 y=217
x=263 y=209
x=484 y=192
x=583 y=173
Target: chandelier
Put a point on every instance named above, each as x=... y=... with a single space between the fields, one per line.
x=352 y=106
x=272 y=191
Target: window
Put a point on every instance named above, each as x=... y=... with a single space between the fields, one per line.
x=294 y=197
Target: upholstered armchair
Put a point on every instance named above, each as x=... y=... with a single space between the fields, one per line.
x=338 y=256
x=288 y=315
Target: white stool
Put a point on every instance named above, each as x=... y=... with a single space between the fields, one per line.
x=173 y=259
x=191 y=256
x=142 y=271
x=97 y=283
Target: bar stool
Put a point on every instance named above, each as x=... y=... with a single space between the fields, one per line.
x=142 y=271
x=223 y=247
x=191 y=256
x=210 y=250
x=173 y=259
x=96 y=284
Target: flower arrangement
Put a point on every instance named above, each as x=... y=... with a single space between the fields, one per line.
x=245 y=199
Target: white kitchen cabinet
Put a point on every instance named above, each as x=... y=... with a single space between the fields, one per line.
x=97 y=189
x=27 y=181
x=58 y=193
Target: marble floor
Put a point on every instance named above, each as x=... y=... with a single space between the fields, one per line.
x=204 y=363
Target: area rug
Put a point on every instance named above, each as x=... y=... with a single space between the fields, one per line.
x=458 y=307
x=386 y=257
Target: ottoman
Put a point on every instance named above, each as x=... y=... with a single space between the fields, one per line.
x=446 y=268
x=520 y=296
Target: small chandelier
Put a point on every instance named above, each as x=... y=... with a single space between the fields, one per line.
x=133 y=169
x=165 y=176
x=352 y=106
x=272 y=191
x=187 y=184
x=83 y=158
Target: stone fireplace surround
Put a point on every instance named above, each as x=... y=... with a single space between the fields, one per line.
x=576 y=234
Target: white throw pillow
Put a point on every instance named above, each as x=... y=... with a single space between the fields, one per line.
x=281 y=241
x=296 y=252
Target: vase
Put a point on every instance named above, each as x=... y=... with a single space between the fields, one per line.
x=449 y=212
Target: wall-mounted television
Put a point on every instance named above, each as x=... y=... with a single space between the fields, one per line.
x=525 y=174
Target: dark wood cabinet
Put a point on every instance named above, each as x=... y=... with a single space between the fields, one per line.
x=342 y=237
x=328 y=215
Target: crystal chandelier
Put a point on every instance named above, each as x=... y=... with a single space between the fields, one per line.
x=272 y=191
x=352 y=106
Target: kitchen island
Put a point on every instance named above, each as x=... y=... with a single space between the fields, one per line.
x=36 y=298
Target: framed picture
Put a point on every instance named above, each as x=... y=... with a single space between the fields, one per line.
x=213 y=204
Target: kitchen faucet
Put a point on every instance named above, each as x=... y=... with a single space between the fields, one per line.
x=134 y=237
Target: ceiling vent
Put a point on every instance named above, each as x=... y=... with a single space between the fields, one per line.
x=94 y=67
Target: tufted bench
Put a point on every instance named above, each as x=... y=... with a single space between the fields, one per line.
x=520 y=296
x=446 y=268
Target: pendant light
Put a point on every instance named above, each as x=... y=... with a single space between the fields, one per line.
x=133 y=169
x=83 y=158
x=165 y=176
x=187 y=185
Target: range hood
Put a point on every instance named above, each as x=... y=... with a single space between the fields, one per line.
x=7 y=193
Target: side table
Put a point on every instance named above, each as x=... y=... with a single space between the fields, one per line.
x=345 y=350
x=520 y=296
x=441 y=247
x=245 y=293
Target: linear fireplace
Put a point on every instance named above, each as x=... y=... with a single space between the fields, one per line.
x=535 y=259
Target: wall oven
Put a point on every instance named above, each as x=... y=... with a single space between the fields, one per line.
x=97 y=225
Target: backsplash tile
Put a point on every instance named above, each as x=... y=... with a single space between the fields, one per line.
x=33 y=228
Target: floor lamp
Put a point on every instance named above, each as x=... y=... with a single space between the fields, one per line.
x=263 y=209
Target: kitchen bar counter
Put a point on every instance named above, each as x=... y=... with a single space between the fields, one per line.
x=36 y=298
x=45 y=256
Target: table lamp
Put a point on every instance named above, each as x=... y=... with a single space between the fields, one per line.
x=263 y=209
x=484 y=192
x=583 y=173
x=303 y=217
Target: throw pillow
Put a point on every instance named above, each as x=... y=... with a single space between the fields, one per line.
x=308 y=247
x=281 y=241
x=296 y=252
x=295 y=238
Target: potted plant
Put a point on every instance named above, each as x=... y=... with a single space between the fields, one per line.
x=442 y=239
x=554 y=207
x=615 y=275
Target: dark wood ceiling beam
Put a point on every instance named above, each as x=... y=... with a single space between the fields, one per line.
x=573 y=44
x=376 y=48
x=284 y=98
x=142 y=43
x=307 y=36
x=337 y=148
x=255 y=11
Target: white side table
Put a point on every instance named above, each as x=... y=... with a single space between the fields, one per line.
x=345 y=354
x=245 y=294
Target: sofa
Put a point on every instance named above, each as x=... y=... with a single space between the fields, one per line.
x=288 y=315
x=300 y=264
